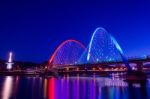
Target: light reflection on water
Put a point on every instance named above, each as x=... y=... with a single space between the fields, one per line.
x=71 y=88
x=7 y=87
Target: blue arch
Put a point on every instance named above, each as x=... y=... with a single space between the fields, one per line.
x=116 y=44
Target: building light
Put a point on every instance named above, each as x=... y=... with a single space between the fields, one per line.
x=9 y=63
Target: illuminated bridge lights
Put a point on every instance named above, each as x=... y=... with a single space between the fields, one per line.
x=67 y=53
x=92 y=69
x=102 y=48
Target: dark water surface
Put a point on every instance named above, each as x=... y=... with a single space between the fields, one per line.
x=19 y=87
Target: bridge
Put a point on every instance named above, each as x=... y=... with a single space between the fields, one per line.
x=105 y=66
x=103 y=53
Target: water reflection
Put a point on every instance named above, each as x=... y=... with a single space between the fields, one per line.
x=45 y=88
x=83 y=87
x=7 y=88
x=72 y=88
x=94 y=88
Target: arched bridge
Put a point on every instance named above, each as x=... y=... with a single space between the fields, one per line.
x=102 y=51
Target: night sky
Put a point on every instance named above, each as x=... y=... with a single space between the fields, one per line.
x=33 y=29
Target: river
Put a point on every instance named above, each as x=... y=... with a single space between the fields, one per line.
x=77 y=87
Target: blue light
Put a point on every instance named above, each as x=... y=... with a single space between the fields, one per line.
x=90 y=45
x=116 y=44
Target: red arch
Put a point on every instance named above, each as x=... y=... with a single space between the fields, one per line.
x=63 y=43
